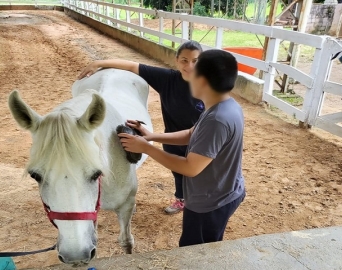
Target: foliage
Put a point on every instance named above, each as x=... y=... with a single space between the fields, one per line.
x=223 y=5
x=159 y=4
x=202 y=7
x=200 y=10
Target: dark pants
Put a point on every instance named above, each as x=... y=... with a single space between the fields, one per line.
x=179 y=151
x=200 y=228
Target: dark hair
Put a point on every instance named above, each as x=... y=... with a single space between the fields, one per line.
x=219 y=68
x=189 y=45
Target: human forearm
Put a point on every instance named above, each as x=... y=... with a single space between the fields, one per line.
x=174 y=138
x=172 y=162
x=190 y=166
x=112 y=63
x=118 y=64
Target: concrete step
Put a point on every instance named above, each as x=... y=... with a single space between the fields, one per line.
x=316 y=249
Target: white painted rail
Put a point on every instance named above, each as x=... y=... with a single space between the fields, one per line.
x=316 y=81
x=32 y=2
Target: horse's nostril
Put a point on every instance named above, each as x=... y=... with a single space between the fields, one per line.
x=61 y=258
x=93 y=253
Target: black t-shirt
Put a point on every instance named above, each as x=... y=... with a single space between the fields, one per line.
x=180 y=110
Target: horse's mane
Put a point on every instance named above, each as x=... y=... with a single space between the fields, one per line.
x=58 y=141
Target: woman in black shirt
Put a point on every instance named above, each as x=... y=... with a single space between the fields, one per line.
x=179 y=109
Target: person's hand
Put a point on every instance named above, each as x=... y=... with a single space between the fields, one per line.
x=89 y=70
x=138 y=126
x=134 y=144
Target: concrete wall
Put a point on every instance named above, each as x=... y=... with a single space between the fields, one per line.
x=317 y=249
x=144 y=46
x=336 y=20
x=247 y=87
x=30 y=7
x=323 y=19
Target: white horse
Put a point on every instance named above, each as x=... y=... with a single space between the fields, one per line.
x=73 y=146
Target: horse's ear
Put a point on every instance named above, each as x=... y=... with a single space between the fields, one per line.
x=94 y=115
x=22 y=113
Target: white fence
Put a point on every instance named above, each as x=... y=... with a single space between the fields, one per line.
x=32 y=2
x=316 y=82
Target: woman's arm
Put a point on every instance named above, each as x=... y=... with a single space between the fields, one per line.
x=111 y=63
x=174 y=138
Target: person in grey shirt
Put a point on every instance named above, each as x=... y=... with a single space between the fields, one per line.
x=213 y=183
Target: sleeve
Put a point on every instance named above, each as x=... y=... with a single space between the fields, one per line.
x=210 y=137
x=157 y=78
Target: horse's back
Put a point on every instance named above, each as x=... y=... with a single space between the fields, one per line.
x=124 y=91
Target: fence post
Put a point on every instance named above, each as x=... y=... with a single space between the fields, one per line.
x=118 y=17
x=82 y=6
x=94 y=10
x=161 y=28
x=104 y=10
x=86 y=7
x=107 y=14
x=141 y=22
x=185 y=29
x=128 y=19
x=271 y=56
x=219 y=38
x=320 y=71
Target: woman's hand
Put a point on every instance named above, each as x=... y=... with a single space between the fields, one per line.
x=138 y=126
x=134 y=144
x=89 y=70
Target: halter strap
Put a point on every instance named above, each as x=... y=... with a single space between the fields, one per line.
x=52 y=215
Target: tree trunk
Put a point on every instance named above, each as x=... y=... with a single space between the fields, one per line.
x=227 y=6
x=212 y=8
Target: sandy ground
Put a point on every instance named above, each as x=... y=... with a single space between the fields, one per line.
x=293 y=176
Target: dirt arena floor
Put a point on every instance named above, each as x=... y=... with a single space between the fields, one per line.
x=293 y=176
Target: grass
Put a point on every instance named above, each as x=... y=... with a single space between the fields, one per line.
x=230 y=38
x=291 y=98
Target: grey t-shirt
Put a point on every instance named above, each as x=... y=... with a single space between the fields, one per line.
x=218 y=134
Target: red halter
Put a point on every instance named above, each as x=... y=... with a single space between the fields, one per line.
x=75 y=215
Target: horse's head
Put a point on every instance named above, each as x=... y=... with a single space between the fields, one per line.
x=65 y=161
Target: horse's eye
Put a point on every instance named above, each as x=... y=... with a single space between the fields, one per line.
x=36 y=176
x=95 y=176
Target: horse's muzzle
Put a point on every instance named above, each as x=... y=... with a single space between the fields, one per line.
x=77 y=258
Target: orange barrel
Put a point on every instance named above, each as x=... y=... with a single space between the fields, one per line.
x=247 y=51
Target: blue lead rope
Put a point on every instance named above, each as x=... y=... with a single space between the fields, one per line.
x=24 y=253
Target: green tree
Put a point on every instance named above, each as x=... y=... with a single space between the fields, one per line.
x=202 y=7
x=165 y=5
